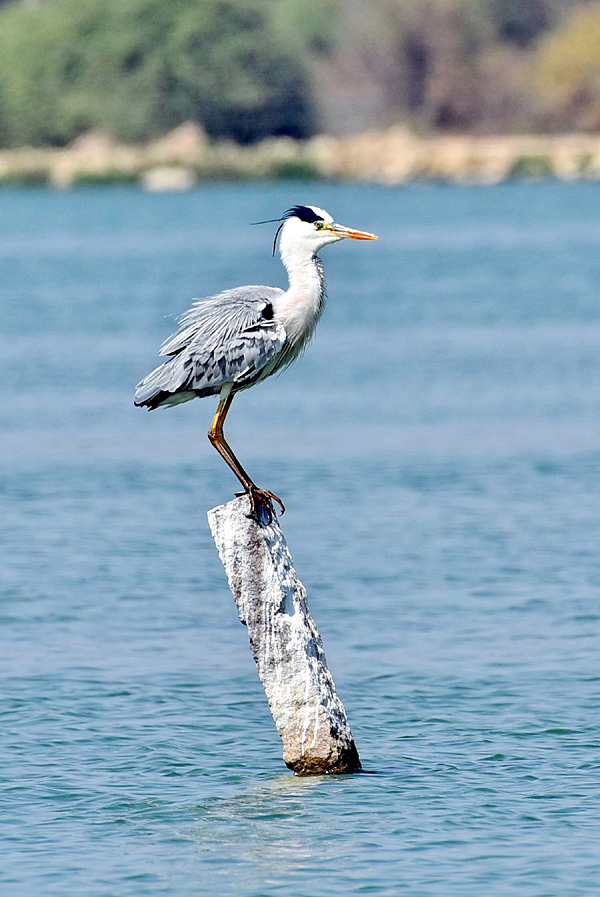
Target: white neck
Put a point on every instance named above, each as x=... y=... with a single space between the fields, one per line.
x=302 y=304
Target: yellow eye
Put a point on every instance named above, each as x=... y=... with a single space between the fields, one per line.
x=320 y=225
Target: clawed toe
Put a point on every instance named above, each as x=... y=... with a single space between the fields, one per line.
x=261 y=507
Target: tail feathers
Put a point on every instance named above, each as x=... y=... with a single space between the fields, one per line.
x=165 y=385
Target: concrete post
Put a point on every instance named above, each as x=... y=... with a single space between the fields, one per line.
x=286 y=645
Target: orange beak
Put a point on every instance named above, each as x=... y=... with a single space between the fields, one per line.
x=350 y=232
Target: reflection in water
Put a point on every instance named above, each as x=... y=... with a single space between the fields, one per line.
x=270 y=832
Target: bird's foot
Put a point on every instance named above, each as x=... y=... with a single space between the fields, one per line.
x=261 y=507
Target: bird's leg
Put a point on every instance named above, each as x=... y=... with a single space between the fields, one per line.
x=259 y=498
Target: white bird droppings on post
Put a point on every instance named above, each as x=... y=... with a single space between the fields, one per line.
x=285 y=643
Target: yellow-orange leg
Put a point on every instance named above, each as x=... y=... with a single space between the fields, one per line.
x=258 y=497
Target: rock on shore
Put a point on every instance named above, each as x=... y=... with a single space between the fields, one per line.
x=394 y=156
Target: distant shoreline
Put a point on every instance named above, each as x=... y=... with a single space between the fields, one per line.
x=185 y=157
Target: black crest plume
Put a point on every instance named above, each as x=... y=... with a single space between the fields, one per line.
x=304 y=213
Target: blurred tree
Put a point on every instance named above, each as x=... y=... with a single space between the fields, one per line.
x=140 y=67
x=246 y=69
x=418 y=58
x=439 y=64
x=567 y=65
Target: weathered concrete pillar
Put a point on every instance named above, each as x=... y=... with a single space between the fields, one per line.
x=285 y=643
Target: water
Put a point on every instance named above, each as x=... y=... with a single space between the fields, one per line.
x=438 y=449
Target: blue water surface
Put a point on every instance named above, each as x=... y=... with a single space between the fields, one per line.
x=438 y=449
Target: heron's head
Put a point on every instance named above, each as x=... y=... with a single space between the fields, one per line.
x=308 y=228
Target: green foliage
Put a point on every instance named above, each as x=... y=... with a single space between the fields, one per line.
x=531 y=168
x=585 y=163
x=295 y=170
x=89 y=179
x=140 y=67
x=247 y=69
x=24 y=179
x=308 y=24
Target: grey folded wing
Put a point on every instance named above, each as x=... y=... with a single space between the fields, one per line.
x=228 y=338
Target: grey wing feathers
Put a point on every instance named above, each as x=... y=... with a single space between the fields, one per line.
x=228 y=338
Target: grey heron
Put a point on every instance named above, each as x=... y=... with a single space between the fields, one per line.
x=237 y=338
